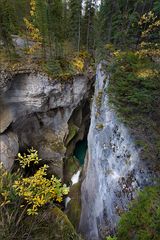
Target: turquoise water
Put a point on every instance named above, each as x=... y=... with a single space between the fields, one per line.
x=80 y=151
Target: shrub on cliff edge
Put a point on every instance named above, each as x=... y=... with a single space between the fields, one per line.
x=21 y=196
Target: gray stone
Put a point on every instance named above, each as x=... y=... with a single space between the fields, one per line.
x=5 y=81
x=41 y=108
x=19 y=42
x=6 y=116
x=8 y=149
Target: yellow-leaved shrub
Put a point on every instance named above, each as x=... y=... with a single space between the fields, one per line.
x=37 y=190
x=78 y=64
x=150 y=26
x=33 y=31
x=27 y=159
x=34 y=191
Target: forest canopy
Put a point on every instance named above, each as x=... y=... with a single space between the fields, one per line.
x=55 y=28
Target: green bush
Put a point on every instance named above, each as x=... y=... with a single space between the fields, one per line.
x=135 y=82
x=111 y=238
x=53 y=67
x=134 y=92
x=142 y=221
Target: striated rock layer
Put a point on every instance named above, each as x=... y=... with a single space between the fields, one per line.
x=113 y=172
x=37 y=109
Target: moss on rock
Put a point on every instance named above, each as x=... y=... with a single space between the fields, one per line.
x=71 y=167
x=74 y=206
x=73 y=129
x=53 y=141
x=50 y=224
x=64 y=228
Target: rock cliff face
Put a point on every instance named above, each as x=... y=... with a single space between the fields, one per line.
x=114 y=171
x=52 y=116
x=35 y=111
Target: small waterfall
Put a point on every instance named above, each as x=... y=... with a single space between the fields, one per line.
x=113 y=171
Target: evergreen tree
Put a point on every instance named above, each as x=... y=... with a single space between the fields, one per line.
x=40 y=21
x=7 y=23
x=21 y=8
x=118 y=20
x=55 y=26
x=89 y=24
x=76 y=24
x=75 y=7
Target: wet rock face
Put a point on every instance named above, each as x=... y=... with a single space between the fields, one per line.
x=113 y=172
x=38 y=108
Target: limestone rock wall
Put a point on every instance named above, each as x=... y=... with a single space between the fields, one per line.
x=36 y=109
x=113 y=171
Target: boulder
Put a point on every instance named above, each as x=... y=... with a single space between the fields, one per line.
x=6 y=116
x=8 y=148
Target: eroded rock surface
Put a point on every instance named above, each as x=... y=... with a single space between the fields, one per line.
x=38 y=110
x=6 y=116
x=8 y=148
x=5 y=80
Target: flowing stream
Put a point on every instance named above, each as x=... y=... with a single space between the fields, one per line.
x=113 y=171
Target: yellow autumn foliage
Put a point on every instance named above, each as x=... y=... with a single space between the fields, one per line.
x=147 y=48
x=33 y=7
x=145 y=73
x=33 y=31
x=78 y=64
x=36 y=190
x=146 y=18
x=27 y=159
